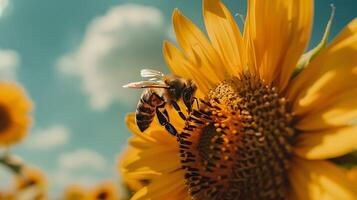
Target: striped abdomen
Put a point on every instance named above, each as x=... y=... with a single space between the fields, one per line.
x=145 y=111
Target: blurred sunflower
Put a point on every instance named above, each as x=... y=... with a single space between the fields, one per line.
x=75 y=192
x=14 y=113
x=7 y=196
x=3 y=195
x=264 y=130
x=104 y=191
x=31 y=183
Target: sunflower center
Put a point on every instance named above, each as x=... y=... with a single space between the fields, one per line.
x=237 y=145
x=102 y=196
x=4 y=118
x=28 y=182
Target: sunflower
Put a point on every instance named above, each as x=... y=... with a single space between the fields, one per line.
x=31 y=182
x=14 y=113
x=75 y=192
x=264 y=128
x=105 y=191
x=6 y=196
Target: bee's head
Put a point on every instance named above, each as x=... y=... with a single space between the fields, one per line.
x=188 y=94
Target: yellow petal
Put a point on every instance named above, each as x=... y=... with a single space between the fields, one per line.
x=159 y=159
x=198 y=49
x=352 y=175
x=224 y=34
x=278 y=32
x=329 y=75
x=333 y=112
x=315 y=180
x=131 y=124
x=155 y=134
x=328 y=143
x=152 y=152
x=180 y=66
x=133 y=171
x=170 y=186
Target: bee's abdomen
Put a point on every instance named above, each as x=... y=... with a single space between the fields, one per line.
x=144 y=116
x=145 y=110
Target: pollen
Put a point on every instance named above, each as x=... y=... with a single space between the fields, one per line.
x=237 y=145
x=5 y=120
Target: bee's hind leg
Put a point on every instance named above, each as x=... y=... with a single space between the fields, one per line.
x=164 y=111
x=178 y=109
x=163 y=120
x=166 y=114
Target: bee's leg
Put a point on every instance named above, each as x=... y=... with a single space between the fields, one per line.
x=165 y=111
x=165 y=123
x=195 y=99
x=178 y=109
x=166 y=114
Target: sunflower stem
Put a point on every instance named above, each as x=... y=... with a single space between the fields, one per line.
x=11 y=162
x=310 y=55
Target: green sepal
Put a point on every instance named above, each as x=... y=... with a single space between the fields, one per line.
x=310 y=55
x=11 y=162
x=347 y=161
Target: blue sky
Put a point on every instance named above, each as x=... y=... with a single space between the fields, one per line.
x=72 y=56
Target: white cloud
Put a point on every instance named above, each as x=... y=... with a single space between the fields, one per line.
x=82 y=166
x=115 y=47
x=48 y=138
x=82 y=158
x=63 y=178
x=3 y=5
x=5 y=178
x=9 y=61
x=171 y=34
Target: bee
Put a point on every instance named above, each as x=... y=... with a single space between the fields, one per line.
x=161 y=90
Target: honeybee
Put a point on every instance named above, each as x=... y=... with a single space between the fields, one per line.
x=161 y=90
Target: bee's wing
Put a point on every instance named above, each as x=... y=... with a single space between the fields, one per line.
x=152 y=74
x=146 y=84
